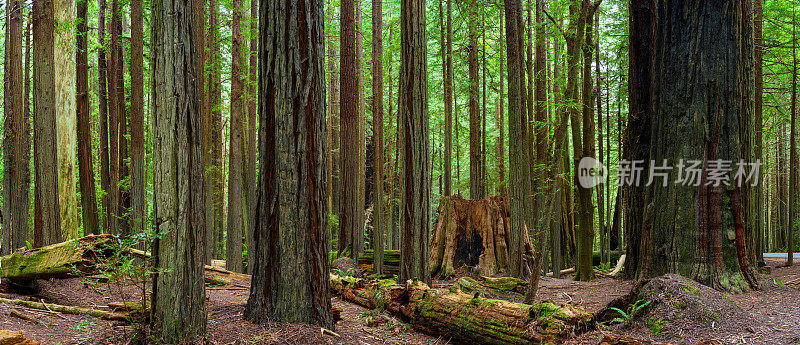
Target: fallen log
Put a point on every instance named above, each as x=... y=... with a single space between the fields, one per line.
x=60 y=260
x=464 y=317
x=81 y=257
x=105 y=315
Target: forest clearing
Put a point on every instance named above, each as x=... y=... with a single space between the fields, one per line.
x=606 y=172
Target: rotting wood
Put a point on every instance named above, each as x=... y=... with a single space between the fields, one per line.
x=465 y=317
x=105 y=315
x=80 y=258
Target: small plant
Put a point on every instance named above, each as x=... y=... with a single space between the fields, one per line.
x=603 y=267
x=348 y=273
x=679 y=305
x=691 y=290
x=626 y=317
x=656 y=325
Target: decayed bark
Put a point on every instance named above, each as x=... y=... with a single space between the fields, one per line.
x=178 y=298
x=137 y=194
x=59 y=260
x=471 y=233
x=66 y=127
x=461 y=316
x=16 y=139
x=290 y=272
x=236 y=165
x=379 y=221
x=413 y=106
x=707 y=240
x=47 y=223
x=351 y=212
x=85 y=165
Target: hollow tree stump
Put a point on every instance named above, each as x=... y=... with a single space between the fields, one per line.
x=472 y=233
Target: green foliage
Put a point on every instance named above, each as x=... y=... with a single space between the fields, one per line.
x=627 y=316
x=347 y=273
x=656 y=325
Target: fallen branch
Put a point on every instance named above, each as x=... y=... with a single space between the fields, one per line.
x=564 y=271
x=70 y=310
x=467 y=318
x=17 y=314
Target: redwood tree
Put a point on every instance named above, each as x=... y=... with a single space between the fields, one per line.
x=414 y=242
x=85 y=165
x=178 y=298
x=236 y=166
x=695 y=229
x=138 y=196
x=290 y=271
x=47 y=223
x=351 y=212
x=16 y=139
x=379 y=223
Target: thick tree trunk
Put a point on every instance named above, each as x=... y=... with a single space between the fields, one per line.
x=379 y=221
x=706 y=240
x=793 y=163
x=66 y=126
x=500 y=145
x=16 y=139
x=114 y=112
x=761 y=200
x=237 y=173
x=414 y=247
x=85 y=165
x=447 y=66
x=178 y=298
x=290 y=271
x=47 y=230
x=138 y=195
x=351 y=213
x=215 y=169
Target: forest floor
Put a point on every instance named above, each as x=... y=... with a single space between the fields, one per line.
x=770 y=316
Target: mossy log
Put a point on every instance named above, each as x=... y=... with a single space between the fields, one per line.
x=60 y=260
x=80 y=258
x=493 y=285
x=466 y=318
x=105 y=315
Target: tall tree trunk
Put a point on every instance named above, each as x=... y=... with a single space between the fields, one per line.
x=252 y=122
x=584 y=271
x=519 y=176
x=16 y=139
x=66 y=126
x=237 y=174
x=85 y=165
x=542 y=179
x=351 y=214
x=379 y=222
x=290 y=273
x=138 y=195
x=215 y=171
x=103 y=110
x=48 y=228
x=710 y=226
x=602 y=213
x=793 y=163
x=760 y=202
x=178 y=298
x=475 y=191
x=642 y=16
x=447 y=67
x=114 y=112
x=415 y=246
x=500 y=145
